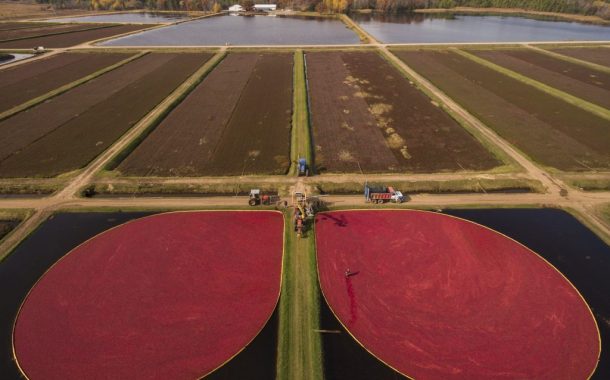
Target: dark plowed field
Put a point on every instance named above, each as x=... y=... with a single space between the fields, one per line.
x=237 y=121
x=41 y=30
x=27 y=81
x=68 y=131
x=71 y=39
x=599 y=55
x=20 y=25
x=578 y=80
x=367 y=117
x=546 y=128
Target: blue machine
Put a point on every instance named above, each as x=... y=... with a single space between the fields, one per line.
x=303 y=168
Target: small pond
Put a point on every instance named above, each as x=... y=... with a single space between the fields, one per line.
x=449 y=28
x=245 y=30
x=6 y=58
x=139 y=18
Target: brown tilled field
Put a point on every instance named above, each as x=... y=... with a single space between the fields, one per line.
x=66 y=132
x=72 y=38
x=237 y=121
x=367 y=118
x=42 y=30
x=18 y=25
x=546 y=128
x=599 y=55
x=29 y=80
x=578 y=80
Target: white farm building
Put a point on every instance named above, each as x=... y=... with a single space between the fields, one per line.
x=265 y=7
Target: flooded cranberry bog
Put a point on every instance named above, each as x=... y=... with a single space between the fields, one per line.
x=555 y=235
x=236 y=122
x=547 y=129
x=366 y=117
x=68 y=131
x=230 y=273
x=558 y=237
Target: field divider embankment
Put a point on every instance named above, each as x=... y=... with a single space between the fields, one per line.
x=299 y=340
x=575 y=101
x=71 y=191
x=566 y=58
x=58 y=91
x=47 y=54
x=152 y=120
x=91 y=44
x=300 y=144
x=490 y=137
x=509 y=164
x=59 y=33
x=365 y=38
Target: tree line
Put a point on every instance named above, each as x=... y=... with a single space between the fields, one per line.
x=585 y=7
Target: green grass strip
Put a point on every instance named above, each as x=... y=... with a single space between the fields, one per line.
x=567 y=58
x=578 y=102
x=157 y=115
x=300 y=144
x=299 y=341
x=507 y=165
x=58 y=91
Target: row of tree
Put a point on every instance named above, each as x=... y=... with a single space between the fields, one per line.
x=587 y=7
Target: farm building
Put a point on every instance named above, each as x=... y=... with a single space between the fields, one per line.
x=265 y=7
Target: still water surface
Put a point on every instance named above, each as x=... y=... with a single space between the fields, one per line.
x=140 y=18
x=245 y=30
x=445 y=28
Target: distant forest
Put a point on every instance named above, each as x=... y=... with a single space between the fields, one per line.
x=599 y=8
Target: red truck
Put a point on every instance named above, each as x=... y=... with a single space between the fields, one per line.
x=382 y=194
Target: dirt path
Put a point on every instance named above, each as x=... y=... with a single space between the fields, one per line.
x=299 y=351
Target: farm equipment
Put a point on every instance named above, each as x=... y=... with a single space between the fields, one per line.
x=256 y=198
x=303 y=167
x=304 y=211
x=382 y=194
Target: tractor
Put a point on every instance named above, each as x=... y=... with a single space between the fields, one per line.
x=256 y=198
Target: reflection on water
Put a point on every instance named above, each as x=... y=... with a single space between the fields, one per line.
x=140 y=18
x=241 y=30
x=13 y=57
x=446 y=28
